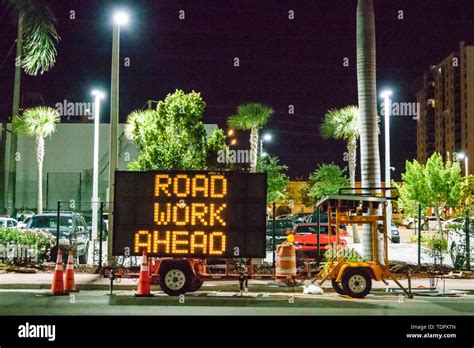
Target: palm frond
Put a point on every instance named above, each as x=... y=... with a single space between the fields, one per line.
x=37 y=121
x=251 y=115
x=137 y=121
x=39 y=34
x=341 y=123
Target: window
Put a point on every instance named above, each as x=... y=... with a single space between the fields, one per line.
x=311 y=229
x=49 y=222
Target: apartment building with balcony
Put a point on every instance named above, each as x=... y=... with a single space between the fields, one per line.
x=446 y=98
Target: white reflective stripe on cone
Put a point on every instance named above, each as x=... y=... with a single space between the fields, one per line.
x=286 y=258
x=144 y=268
x=286 y=271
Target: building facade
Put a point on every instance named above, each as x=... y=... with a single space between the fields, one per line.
x=446 y=99
x=67 y=167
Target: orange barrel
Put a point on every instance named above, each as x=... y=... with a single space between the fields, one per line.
x=285 y=262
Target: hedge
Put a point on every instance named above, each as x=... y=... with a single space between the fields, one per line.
x=13 y=238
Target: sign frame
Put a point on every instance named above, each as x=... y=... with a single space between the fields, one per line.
x=233 y=179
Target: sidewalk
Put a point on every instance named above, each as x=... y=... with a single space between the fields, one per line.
x=42 y=281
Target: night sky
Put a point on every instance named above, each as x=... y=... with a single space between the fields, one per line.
x=282 y=62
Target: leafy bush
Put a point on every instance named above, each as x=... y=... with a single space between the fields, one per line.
x=414 y=239
x=12 y=240
x=458 y=249
x=437 y=246
x=349 y=254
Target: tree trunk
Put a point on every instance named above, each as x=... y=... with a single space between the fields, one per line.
x=3 y=167
x=11 y=188
x=440 y=230
x=367 y=95
x=39 y=161
x=352 y=150
x=253 y=149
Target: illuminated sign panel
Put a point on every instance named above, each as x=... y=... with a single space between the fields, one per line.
x=190 y=214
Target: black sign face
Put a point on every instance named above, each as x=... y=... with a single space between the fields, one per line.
x=190 y=214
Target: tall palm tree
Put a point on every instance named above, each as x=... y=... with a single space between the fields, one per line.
x=366 y=83
x=251 y=116
x=343 y=124
x=38 y=122
x=35 y=53
x=38 y=34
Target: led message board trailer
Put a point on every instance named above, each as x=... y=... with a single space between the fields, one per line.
x=190 y=214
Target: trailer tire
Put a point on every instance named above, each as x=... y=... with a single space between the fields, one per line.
x=337 y=287
x=176 y=278
x=356 y=283
x=196 y=283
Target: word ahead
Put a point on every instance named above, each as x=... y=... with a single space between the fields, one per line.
x=180 y=242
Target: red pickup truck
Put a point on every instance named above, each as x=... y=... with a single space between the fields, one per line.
x=306 y=239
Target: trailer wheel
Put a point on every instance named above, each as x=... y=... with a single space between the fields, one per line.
x=196 y=283
x=337 y=287
x=356 y=283
x=175 y=278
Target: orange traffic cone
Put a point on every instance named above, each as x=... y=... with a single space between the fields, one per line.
x=69 y=284
x=144 y=279
x=57 y=288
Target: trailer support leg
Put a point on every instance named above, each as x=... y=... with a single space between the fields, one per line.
x=112 y=277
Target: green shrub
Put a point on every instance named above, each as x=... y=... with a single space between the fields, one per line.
x=349 y=254
x=414 y=239
x=437 y=246
x=40 y=242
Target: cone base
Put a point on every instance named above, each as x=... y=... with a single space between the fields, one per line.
x=51 y=294
x=72 y=290
x=149 y=295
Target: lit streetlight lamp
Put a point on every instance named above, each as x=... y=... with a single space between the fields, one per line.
x=463 y=156
x=387 y=107
x=121 y=18
x=98 y=95
x=267 y=137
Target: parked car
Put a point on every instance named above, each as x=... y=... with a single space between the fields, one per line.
x=299 y=218
x=24 y=214
x=72 y=230
x=24 y=223
x=410 y=223
x=323 y=218
x=284 y=217
x=306 y=239
x=8 y=222
x=430 y=223
x=88 y=218
x=394 y=233
x=457 y=238
x=282 y=225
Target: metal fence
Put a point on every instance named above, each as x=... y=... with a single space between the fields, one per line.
x=74 y=231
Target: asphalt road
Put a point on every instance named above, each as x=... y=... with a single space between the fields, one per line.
x=29 y=302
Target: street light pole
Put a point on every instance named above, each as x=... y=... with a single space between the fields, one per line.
x=387 y=107
x=95 y=172
x=265 y=138
x=463 y=156
x=120 y=18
